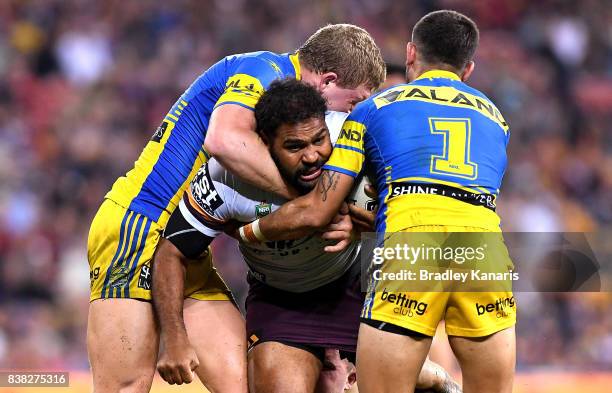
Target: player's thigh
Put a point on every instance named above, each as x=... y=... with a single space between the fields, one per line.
x=122 y=342
x=217 y=332
x=487 y=363
x=120 y=248
x=278 y=368
x=389 y=362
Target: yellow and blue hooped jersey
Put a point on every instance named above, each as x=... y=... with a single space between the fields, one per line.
x=438 y=151
x=175 y=152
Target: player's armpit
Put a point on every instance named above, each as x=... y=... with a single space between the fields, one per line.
x=232 y=140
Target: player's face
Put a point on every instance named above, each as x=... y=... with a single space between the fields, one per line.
x=337 y=374
x=300 y=150
x=342 y=99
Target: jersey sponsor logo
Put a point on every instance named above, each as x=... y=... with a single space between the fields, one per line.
x=352 y=135
x=144 y=278
x=203 y=191
x=263 y=209
x=500 y=307
x=258 y=275
x=442 y=95
x=242 y=83
x=243 y=89
x=405 y=305
x=94 y=275
x=159 y=133
x=405 y=188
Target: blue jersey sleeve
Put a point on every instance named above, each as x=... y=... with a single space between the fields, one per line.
x=248 y=81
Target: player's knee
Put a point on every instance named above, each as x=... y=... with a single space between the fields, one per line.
x=262 y=365
x=138 y=382
x=233 y=379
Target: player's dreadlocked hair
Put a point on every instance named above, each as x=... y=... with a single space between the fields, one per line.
x=287 y=101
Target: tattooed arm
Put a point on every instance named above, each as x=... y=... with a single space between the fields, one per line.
x=313 y=211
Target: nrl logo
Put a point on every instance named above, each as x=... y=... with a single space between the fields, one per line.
x=263 y=209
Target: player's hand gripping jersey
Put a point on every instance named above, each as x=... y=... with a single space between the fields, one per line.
x=438 y=148
x=216 y=197
x=175 y=151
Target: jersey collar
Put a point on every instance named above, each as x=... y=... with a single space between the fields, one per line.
x=439 y=74
x=296 y=65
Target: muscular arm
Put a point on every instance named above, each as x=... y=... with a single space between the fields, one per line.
x=304 y=215
x=232 y=140
x=177 y=358
x=169 y=268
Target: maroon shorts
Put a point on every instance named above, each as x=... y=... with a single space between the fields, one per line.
x=326 y=317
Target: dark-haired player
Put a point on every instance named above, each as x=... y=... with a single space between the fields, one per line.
x=302 y=300
x=438 y=148
x=215 y=113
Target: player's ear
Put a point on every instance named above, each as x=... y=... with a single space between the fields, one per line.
x=350 y=380
x=467 y=71
x=411 y=54
x=327 y=78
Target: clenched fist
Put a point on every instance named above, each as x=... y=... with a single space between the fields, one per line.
x=177 y=361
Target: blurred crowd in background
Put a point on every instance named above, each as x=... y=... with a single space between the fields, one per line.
x=84 y=84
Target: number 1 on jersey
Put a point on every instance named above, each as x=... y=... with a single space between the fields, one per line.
x=455 y=158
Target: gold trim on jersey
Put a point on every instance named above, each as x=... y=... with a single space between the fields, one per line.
x=438 y=74
x=295 y=60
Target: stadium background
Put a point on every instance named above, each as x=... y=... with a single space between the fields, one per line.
x=83 y=85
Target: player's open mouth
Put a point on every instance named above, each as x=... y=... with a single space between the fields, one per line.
x=311 y=175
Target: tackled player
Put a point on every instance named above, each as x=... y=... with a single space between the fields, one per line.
x=453 y=147
x=215 y=113
x=302 y=300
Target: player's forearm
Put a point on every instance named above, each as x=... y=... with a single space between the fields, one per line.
x=232 y=140
x=295 y=219
x=168 y=283
x=248 y=158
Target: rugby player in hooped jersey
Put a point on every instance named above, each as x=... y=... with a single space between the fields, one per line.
x=301 y=299
x=215 y=113
x=447 y=141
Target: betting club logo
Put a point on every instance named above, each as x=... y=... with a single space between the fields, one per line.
x=405 y=305
x=501 y=307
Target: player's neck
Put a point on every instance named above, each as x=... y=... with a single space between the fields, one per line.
x=420 y=69
x=309 y=76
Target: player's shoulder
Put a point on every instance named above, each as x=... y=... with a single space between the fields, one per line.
x=261 y=62
x=475 y=92
x=334 y=121
x=364 y=110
